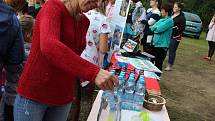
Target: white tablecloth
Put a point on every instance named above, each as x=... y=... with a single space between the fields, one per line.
x=154 y=116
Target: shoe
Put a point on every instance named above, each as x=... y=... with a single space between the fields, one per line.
x=168 y=68
x=85 y=83
x=207 y=58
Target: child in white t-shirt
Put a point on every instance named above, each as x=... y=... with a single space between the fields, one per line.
x=97 y=37
x=96 y=47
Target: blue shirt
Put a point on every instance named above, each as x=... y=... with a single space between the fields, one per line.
x=11 y=37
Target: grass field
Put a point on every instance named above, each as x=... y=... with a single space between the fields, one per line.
x=190 y=87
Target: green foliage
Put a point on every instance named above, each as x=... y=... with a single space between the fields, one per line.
x=204 y=8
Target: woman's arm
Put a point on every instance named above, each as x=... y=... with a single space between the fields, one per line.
x=103 y=48
x=165 y=25
x=56 y=52
x=152 y=20
x=154 y=27
x=180 y=26
x=103 y=43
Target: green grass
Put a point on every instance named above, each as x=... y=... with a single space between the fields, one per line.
x=189 y=88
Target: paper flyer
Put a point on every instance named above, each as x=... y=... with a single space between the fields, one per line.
x=143 y=64
x=130 y=45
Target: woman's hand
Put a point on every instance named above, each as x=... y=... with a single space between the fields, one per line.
x=105 y=80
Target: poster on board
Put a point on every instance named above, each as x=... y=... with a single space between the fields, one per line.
x=117 y=25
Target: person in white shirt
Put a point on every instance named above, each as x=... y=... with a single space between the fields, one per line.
x=97 y=37
x=211 y=39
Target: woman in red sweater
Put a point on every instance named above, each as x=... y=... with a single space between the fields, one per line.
x=46 y=87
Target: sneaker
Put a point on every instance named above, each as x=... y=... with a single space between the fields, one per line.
x=85 y=83
x=168 y=68
x=207 y=58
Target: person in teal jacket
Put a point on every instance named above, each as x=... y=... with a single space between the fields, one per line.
x=162 y=35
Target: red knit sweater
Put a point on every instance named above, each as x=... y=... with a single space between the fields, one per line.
x=54 y=62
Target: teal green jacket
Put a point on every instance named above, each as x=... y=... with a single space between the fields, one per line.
x=162 y=32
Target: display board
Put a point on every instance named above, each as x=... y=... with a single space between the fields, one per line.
x=117 y=25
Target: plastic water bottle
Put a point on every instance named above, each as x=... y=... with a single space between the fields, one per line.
x=128 y=97
x=129 y=89
x=122 y=73
x=130 y=84
x=121 y=80
x=140 y=91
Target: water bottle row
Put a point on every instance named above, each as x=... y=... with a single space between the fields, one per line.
x=130 y=90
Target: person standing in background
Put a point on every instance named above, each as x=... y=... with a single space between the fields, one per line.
x=179 y=26
x=162 y=35
x=96 y=48
x=109 y=14
x=97 y=37
x=11 y=54
x=23 y=11
x=34 y=7
x=109 y=10
x=153 y=15
x=138 y=15
x=211 y=39
x=27 y=23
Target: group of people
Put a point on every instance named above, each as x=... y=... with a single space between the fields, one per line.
x=163 y=28
x=163 y=25
x=43 y=58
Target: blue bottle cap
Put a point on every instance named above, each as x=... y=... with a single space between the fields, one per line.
x=141 y=75
x=120 y=76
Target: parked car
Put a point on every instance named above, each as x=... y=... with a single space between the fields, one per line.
x=193 y=25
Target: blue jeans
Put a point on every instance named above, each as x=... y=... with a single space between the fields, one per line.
x=172 y=51
x=28 y=110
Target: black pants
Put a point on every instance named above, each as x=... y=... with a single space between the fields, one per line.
x=9 y=113
x=160 y=55
x=81 y=93
x=211 y=48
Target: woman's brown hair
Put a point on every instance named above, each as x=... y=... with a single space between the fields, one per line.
x=17 y=5
x=159 y=3
x=102 y=7
x=180 y=5
x=75 y=10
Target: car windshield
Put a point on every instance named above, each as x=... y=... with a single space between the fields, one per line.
x=192 y=17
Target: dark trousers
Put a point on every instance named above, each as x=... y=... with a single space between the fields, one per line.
x=6 y=104
x=172 y=51
x=160 y=55
x=80 y=94
x=211 y=48
x=9 y=113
